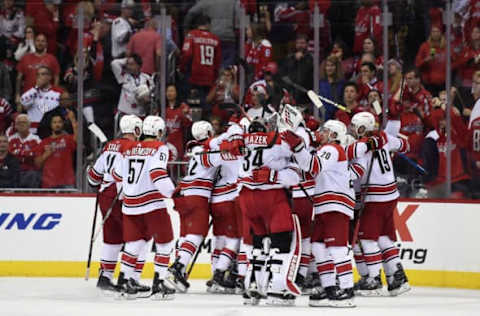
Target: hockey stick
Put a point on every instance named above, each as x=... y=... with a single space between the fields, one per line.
x=417 y=166
x=306 y=193
x=190 y=268
x=107 y=215
x=89 y=260
x=97 y=132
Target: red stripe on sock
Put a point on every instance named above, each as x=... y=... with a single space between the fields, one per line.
x=108 y=266
x=230 y=253
x=326 y=267
x=373 y=258
x=162 y=259
x=129 y=259
x=242 y=258
x=305 y=260
x=139 y=265
x=390 y=253
x=359 y=258
x=342 y=268
x=188 y=246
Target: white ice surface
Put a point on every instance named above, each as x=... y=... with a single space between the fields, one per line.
x=69 y=297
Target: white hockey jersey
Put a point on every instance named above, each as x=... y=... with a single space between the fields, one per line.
x=100 y=173
x=277 y=157
x=144 y=177
x=306 y=179
x=130 y=83
x=382 y=184
x=121 y=31
x=333 y=187
x=37 y=102
x=225 y=187
x=200 y=173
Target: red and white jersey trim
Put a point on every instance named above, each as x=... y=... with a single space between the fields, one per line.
x=201 y=187
x=329 y=201
x=384 y=190
x=223 y=193
x=143 y=203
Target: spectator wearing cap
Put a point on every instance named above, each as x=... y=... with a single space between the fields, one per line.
x=223 y=15
x=367 y=23
x=136 y=86
x=28 y=67
x=298 y=67
x=9 y=165
x=22 y=145
x=147 y=44
x=55 y=154
x=331 y=83
x=122 y=29
x=41 y=98
x=431 y=59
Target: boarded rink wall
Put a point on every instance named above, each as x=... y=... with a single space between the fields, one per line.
x=48 y=236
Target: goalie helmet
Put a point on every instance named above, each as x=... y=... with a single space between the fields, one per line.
x=152 y=125
x=131 y=124
x=258 y=125
x=362 y=123
x=337 y=131
x=202 y=130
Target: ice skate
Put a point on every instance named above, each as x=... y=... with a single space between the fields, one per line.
x=143 y=291
x=176 y=278
x=371 y=287
x=319 y=298
x=280 y=299
x=126 y=289
x=312 y=282
x=221 y=284
x=106 y=285
x=399 y=285
x=160 y=291
x=360 y=284
x=342 y=298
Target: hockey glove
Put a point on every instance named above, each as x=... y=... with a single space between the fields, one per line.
x=264 y=175
x=376 y=142
x=235 y=147
x=293 y=140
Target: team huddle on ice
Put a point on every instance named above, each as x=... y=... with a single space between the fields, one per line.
x=282 y=202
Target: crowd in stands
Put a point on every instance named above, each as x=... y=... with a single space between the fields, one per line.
x=123 y=46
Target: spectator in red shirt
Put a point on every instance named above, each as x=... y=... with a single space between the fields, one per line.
x=468 y=61
x=22 y=145
x=258 y=50
x=368 y=81
x=178 y=120
x=201 y=58
x=431 y=60
x=367 y=23
x=147 y=43
x=370 y=47
x=350 y=96
x=27 y=67
x=47 y=21
x=55 y=154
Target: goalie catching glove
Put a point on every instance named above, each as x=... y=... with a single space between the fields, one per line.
x=264 y=175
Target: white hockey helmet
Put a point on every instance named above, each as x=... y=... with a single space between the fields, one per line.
x=202 y=130
x=337 y=131
x=152 y=125
x=131 y=124
x=362 y=123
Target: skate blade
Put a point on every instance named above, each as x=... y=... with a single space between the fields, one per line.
x=318 y=303
x=307 y=292
x=218 y=289
x=348 y=303
x=170 y=279
x=274 y=301
x=162 y=297
x=144 y=294
x=122 y=296
x=370 y=293
x=405 y=287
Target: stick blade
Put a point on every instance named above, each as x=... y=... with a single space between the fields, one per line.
x=97 y=132
x=314 y=98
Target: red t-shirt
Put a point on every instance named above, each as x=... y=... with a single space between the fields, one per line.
x=28 y=67
x=58 y=167
x=433 y=71
x=177 y=123
x=367 y=23
x=201 y=50
x=145 y=43
x=259 y=56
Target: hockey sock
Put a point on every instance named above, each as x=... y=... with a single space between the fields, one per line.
x=129 y=257
x=373 y=257
x=305 y=258
x=242 y=258
x=188 y=248
x=228 y=253
x=109 y=258
x=389 y=255
x=360 y=261
x=343 y=266
x=312 y=266
x=325 y=264
x=140 y=262
x=219 y=244
x=177 y=245
x=162 y=258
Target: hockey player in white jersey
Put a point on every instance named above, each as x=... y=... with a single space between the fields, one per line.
x=193 y=203
x=99 y=175
x=146 y=184
x=267 y=171
x=377 y=228
x=333 y=208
